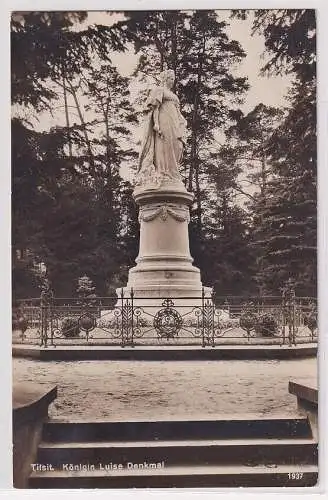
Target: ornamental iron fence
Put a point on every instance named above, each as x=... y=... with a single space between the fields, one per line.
x=130 y=321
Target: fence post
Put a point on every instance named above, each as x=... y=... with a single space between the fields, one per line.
x=46 y=314
x=212 y=305
x=289 y=298
x=132 y=318
x=122 y=318
x=284 y=318
x=203 y=317
x=51 y=311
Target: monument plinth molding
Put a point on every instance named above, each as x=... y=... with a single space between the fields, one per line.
x=164 y=266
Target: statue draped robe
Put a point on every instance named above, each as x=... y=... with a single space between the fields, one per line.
x=161 y=154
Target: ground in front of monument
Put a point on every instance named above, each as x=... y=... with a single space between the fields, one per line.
x=128 y=390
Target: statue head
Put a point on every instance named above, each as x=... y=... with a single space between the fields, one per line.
x=167 y=78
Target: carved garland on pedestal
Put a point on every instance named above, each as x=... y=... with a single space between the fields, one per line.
x=179 y=213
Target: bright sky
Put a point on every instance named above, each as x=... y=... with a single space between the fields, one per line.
x=269 y=90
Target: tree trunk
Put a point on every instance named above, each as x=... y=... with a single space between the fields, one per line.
x=174 y=57
x=66 y=113
x=194 y=160
x=84 y=129
x=263 y=177
x=263 y=188
x=108 y=166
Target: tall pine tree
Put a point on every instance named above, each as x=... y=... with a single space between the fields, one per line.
x=55 y=207
x=287 y=233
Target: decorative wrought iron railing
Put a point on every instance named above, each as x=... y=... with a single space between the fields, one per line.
x=130 y=321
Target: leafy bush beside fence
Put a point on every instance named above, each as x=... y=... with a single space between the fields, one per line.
x=70 y=327
x=266 y=325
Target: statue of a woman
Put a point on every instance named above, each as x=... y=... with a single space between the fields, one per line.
x=164 y=136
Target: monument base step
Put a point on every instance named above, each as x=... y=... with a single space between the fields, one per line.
x=181 y=477
x=177 y=453
x=181 y=454
x=163 y=353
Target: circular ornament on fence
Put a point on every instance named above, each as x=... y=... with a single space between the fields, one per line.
x=167 y=323
x=87 y=322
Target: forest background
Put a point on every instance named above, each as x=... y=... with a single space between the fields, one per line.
x=252 y=170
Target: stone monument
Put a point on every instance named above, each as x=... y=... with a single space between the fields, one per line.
x=164 y=265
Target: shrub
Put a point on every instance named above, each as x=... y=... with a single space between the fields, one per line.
x=248 y=321
x=266 y=325
x=143 y=322
x=229 y=323
x=311 y=321
x=110 y=321
x=70 y=327
x=20 y=323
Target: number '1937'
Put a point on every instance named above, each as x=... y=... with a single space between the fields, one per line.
x=295 y=475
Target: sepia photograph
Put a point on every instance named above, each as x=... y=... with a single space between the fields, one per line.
x=164 y=249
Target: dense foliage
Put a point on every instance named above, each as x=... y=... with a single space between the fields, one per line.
x=72 y=210
x=287 y=233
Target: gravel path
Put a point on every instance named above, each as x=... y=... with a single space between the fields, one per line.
x=116 y=390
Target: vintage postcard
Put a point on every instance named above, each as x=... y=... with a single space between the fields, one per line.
x=164 y=249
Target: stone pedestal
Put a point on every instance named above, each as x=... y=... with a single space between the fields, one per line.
x=164 y=265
